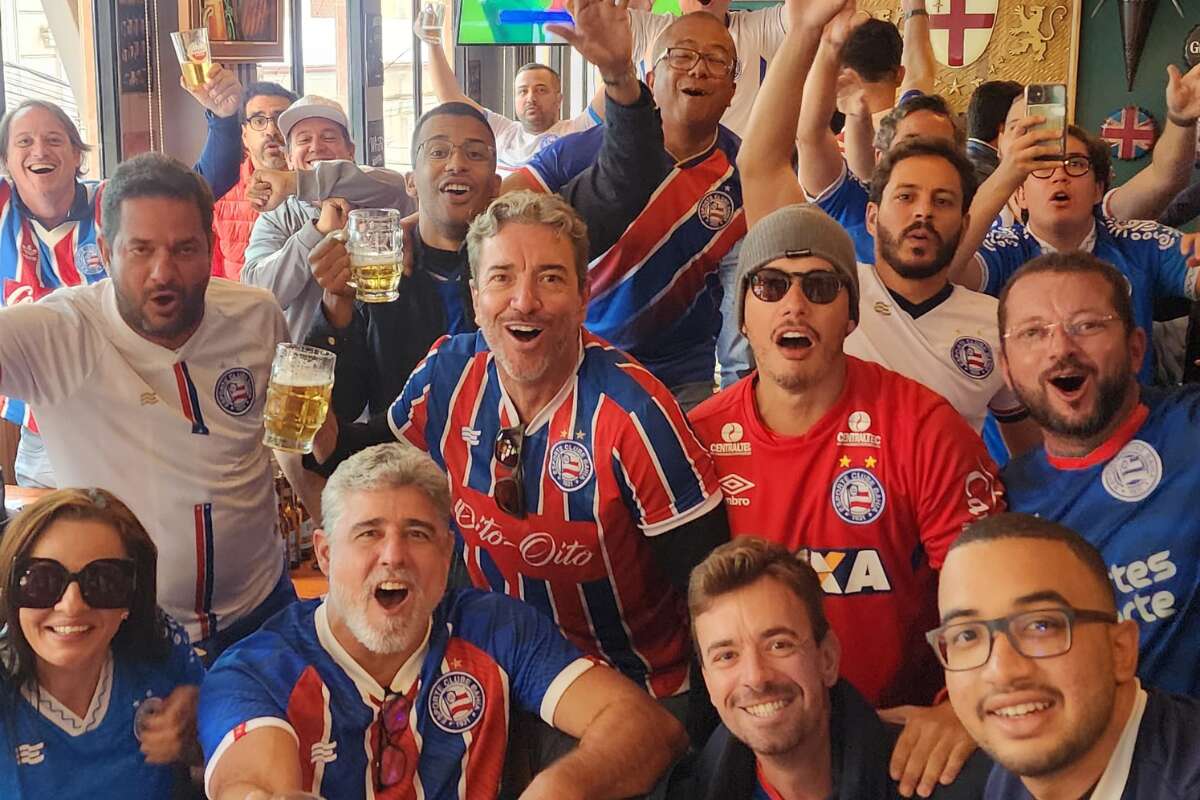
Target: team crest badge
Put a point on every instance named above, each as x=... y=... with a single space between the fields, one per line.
x=959 y=30
x=235 y=391
x=973 y=357
x=456 y=702
x=87 y=259
x=570 y=465
x=715 y=210
x=1133 y=473
x=858 y=497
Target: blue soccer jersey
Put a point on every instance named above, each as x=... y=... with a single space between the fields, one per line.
x=56 y=754
x=484 y=654
x=1146 y=253
x=655 y=293
x=1133 y=497
x=35 y=261
x=846 y=201
x=609 y=463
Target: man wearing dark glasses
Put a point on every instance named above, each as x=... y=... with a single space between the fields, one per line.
x=233 y=215
x=1043 y=671
x=392 y=687
x=867 y=473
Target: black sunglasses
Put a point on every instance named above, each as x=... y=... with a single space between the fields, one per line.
x=104 y=583
x=510 y=492
x=821 y=286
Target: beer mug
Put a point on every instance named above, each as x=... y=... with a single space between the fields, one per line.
x=297 y=397
x=195 y=58
x=375 y=244
x=428 y=24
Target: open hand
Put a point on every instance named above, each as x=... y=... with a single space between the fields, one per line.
x=601 y=33
x=1183 y=93
x=220 y=94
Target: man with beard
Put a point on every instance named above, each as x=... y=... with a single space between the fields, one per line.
x=791 y=728
x=1041 y=669
x=390 y=688
x=1119 y=462
x=234 y=215
x=152 y=385
x=914 y=321
x=379 y=344
x=1060 y=197
x=49 y=218
x=885 y=473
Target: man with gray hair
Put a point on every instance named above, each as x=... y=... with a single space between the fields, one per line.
x=387 y=685
x=152 y=385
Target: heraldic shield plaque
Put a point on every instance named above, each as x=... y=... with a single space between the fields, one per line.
x=1034 y=41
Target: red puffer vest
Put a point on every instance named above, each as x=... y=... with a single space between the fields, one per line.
x=233 y=219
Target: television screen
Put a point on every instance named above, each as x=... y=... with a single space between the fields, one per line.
x=521 y=21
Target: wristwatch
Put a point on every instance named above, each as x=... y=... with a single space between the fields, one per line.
x=914 y=12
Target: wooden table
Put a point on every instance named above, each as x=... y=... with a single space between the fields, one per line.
x=308 y=580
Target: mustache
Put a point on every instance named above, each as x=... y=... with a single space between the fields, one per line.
x=924 y=225
x=1069 y=362
x=766 y=693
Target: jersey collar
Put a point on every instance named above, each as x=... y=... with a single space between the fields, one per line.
x=64 y=718
x=368 y=687
x=542 y=417
x=1120 y=437
x=1087 y=245
x=917 y=310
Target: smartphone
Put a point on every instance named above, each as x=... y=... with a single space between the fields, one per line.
x=1049 y=100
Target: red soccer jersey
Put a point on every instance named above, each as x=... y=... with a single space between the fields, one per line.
x=873 y=494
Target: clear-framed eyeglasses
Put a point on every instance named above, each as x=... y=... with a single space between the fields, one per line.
x=1035 y=335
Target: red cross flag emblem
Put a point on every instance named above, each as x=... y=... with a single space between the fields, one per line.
x=1130 y=132
x=959 y=30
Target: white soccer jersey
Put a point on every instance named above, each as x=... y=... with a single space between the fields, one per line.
x=756 y=34
x=176 y=434
x=515 y=145
x=950 y=346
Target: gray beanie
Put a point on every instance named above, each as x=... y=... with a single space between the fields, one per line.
x=792 y=232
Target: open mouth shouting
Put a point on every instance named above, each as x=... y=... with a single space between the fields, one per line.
x=1069 y=383
x=42 y=167
x=795 y=341
x=456 y=189
x=1060 y=199
x=524 y=332
x=391 y=594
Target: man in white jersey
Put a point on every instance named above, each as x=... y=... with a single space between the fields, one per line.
x=151 y=385
x=913 y=321
x=537 y=99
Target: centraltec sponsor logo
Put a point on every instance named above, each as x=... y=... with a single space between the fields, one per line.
x=859 y=422
x=731 y=433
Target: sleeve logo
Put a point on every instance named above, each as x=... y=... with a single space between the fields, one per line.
x=858 y=497
x=973 y=357
x=570 y=465
x=456 y=702
x=235 y=391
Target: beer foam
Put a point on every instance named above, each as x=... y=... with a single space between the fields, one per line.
x=301 y=375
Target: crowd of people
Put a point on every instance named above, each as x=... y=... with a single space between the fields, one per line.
x=561 y=562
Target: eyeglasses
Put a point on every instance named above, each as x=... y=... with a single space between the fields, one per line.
x=1038 y=334
x=510 y=489
x=260 y=122
x=685 y=59
x=1044 y=633
x=771 y=285
x=1075 y=166
x=391 y=760
x=441 y=150
x=104 y=583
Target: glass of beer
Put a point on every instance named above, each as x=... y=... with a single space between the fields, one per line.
x=297 y=396
x=429 y=21
x=195 y=58
x=375 y=244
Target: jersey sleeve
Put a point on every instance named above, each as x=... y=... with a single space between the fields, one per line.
x=183 y=663
x=541 y=664
x=955 y=480
x=845 y=199
x=409 y=414
x=33 y=340
x=554 y=166
x=1002 y=253
x=669 y=477
x=1172 y=275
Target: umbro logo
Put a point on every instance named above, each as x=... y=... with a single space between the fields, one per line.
x=31 y=753
x=324 y=752
x=734 y=485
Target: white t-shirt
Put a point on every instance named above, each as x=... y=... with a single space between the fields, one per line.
x=176 y=434
x=756 y=34
x=515 y=145
x=951 y=348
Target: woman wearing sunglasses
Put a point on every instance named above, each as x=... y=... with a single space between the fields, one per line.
x=97 y=686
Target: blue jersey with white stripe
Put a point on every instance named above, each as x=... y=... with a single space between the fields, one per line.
x=846 y=201
x=1133 y=497
x=485 y=654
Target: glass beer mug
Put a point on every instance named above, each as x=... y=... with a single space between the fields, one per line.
x=297 y=397
x=375 y=244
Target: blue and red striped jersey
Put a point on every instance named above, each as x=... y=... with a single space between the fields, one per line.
x=608 y=463
x=655 y=292
x=484 y=654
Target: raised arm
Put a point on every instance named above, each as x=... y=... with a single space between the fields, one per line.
x=920 y=67
x=765 y=158
x=441 y=74
x=220 y=160
x=820 y=161
x=1147 y=194
x=858 y=134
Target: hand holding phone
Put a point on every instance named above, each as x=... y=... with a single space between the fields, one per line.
x=1049 y=101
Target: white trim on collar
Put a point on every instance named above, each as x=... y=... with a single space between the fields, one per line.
x=368 y=687
x=64 y=718
x=543 y=416
x=1112 y=783
x=1087 y=245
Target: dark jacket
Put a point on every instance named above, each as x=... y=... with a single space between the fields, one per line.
x=385 y=341
x=861 y=745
